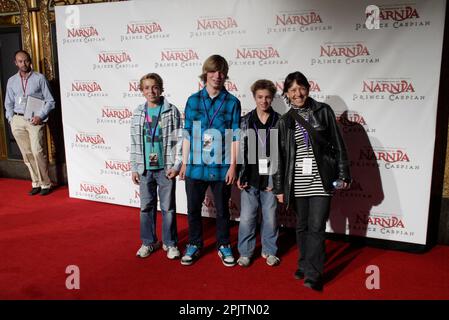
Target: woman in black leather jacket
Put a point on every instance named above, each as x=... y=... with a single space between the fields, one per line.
x=312 y=160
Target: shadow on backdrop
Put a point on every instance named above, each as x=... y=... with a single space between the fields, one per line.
x=351 y=208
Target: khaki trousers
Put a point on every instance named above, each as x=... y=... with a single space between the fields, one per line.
x=30 y=139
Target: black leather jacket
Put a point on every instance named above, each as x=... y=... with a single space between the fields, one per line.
x=331 y=157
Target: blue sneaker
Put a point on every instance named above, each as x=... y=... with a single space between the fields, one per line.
x=191 y=254
x=226 y=256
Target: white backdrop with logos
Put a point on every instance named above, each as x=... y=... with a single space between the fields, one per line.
x=382 y=84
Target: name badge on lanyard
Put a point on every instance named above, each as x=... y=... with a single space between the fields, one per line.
x=208 y=140
x=154 y=160
x=152 y=130
x=263 y=166
x=263 y=163
x=21 y=101
x=307 y=166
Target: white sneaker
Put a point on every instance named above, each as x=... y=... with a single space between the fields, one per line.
x=172 y=252
x=271 y=260
x=244 y=261
x=225 y=253
x=144 y=251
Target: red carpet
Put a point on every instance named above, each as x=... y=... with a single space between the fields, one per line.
x=41 y=236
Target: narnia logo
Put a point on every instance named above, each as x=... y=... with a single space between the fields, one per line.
x=387 y=156
x=86 y=86
x=219 y=23
x=133 y=86
x=92 y=139
x=260 y=53
x=84 y=32
x=280 y=85
x=118 y=165
x=351 y=119
x=116 y=113
x=181 y=55
x=389 y=222
x=302 y=19
x=344 y=50
x=314 y=87
x=97 y=189
x=114 y=57
x=229 y=85
x=398 y=14
x=144 y=28
x=393 y=87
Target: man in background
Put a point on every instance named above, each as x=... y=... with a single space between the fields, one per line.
x=29 y=133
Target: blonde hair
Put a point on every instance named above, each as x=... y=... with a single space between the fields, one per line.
x=214 y=63
x=153 y=76
x=264 y=84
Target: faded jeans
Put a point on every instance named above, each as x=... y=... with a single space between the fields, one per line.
x=250 y=201
x=149 y=183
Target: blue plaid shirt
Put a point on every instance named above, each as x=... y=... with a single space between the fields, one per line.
x=214 y=164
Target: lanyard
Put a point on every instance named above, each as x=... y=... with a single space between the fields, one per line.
x=257 y=131
x=306 y=136
x=148 y=122
x=215 y=113
x=24 y=87
x=304 y=131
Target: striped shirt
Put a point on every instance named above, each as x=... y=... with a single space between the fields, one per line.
x=306 y=185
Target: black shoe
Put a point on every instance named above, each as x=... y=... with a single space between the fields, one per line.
x=316 y=285
x=299 y=274
x=34 y=191
x=45 y=191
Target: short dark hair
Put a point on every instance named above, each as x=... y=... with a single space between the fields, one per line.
x=153 y=76
x=295 y=76
x=212 y=64
x=22 y=51
x=263 y=84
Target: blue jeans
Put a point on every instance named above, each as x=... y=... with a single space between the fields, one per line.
x=251 y=199
x=149 y=182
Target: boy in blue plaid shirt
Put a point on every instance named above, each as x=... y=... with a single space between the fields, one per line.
x=212 y=118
